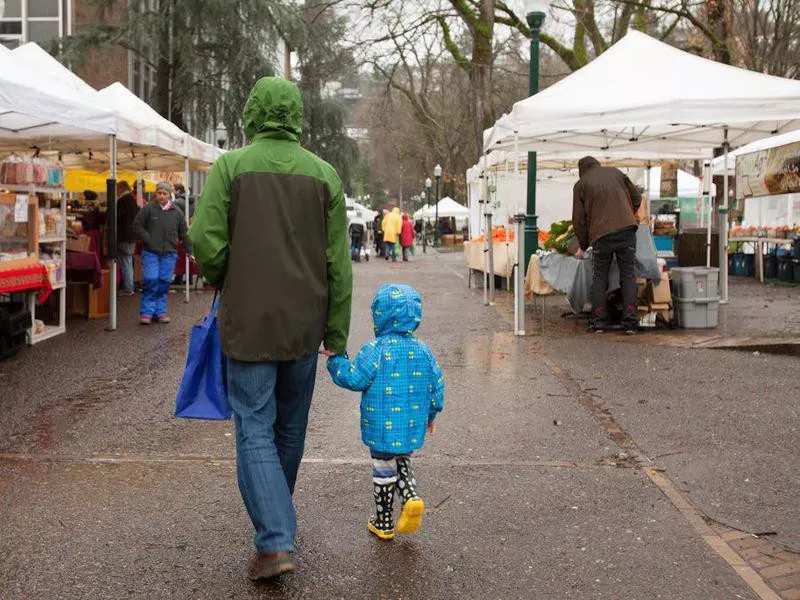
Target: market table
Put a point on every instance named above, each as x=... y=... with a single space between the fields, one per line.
x=25 y=274
x=572 y=275
x=759 y=243
x=504 y=257
x=84 y=267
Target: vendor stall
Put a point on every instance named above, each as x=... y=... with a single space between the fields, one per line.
x=48 y=112
x=682 y=106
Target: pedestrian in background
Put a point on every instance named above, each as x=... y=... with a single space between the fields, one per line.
x=159 y=225
x=270 y=232
x=377 y=227
x=402 y=393
x=182 y=201
x=603 y=207
x=392 y=225
x=127 y=209
x=406 y=237
x=357 y=229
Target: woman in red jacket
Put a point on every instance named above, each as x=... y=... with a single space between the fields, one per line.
x=406 y=236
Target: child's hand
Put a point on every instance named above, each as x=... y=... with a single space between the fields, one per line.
x=431 y=429
x=327 y=353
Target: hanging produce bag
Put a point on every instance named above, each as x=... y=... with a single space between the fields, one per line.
x=203 y=393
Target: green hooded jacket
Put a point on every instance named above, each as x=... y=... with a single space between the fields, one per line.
x=270 y=231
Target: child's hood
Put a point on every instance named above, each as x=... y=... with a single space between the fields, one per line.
x=396 y=309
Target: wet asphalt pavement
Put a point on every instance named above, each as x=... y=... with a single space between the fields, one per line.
x=103 y=494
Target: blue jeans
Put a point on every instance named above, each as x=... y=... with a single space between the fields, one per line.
x=126 y=250
x=270 y=402
x=390 y=250
x=157 y=274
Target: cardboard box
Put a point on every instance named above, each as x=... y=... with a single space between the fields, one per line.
x=660 y=293
x=79 y=244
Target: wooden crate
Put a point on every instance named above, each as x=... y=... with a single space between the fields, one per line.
x=87 y=301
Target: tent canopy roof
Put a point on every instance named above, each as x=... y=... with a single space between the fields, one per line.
x=31 y=111
x=642 y=95
x=145 y=140
x=447 y=208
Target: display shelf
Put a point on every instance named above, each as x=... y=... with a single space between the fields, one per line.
x=48 y=332
x=32 y=188
x=53 y=239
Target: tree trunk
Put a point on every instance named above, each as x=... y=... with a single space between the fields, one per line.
x=719 y=22
x=481 y=73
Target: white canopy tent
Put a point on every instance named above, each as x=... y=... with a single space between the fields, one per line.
x=447 y=207
x=145 y=140
x=644 y=96
x=31 y=113
x=62 y=113
x=418 y=214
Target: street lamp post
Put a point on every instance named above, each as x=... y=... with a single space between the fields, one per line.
x=535 y=14
x=428 y=184
x=221 y=134
x=437 y=173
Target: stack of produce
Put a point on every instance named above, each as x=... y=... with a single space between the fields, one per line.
x=499 y=235
x=562 y=238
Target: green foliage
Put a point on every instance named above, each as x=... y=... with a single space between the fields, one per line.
x=561 y=234
x=211 y=51
x=318 y=39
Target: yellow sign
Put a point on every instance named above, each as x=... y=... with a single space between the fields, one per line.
x=78 y=180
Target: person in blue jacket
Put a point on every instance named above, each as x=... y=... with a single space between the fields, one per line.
x=403 y=391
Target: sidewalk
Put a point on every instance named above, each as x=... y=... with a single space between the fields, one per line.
x=543 y=480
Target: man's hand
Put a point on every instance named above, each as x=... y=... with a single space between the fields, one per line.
x=328 y=353
x=431 y=429
x=579 y=253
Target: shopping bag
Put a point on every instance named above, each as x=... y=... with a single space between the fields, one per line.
x=203 y=393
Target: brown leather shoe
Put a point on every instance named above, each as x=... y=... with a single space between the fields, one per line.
x=267 y=566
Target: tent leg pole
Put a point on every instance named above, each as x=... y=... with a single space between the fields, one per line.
x=186 y=274
x=491 y=260
x=723 y=231
x=519 y=283
x=112 y=226
x=486 y=242
x=706 y=206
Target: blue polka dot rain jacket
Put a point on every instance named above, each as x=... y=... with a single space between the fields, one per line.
x=402 y=385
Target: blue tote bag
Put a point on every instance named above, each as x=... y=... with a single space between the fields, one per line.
x=203 y=393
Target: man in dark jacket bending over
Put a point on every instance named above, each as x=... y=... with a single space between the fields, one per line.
x=603 y=215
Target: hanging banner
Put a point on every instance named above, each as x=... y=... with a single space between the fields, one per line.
x=768 y=172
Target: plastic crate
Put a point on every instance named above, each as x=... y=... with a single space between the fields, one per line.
x=698 y=313
x=664 y=243
x=14 y=319
x=690 y=283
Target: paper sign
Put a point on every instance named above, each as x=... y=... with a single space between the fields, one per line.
x=21 y=209
x=768 y=172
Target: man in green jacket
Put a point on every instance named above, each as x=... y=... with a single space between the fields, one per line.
x=270 y=232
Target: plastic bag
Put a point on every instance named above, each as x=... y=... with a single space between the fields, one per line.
x=203 y=390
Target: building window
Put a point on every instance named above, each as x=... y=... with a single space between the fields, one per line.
x=30 y=21
x=43 y=8
x=43 y=31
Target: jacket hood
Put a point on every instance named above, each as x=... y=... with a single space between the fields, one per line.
x=586 y=164
x=396 y=210
x=396 y=309
x=273 y=110
x=405 y=217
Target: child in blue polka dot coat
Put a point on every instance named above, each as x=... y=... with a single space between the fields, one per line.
x=402 y=392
